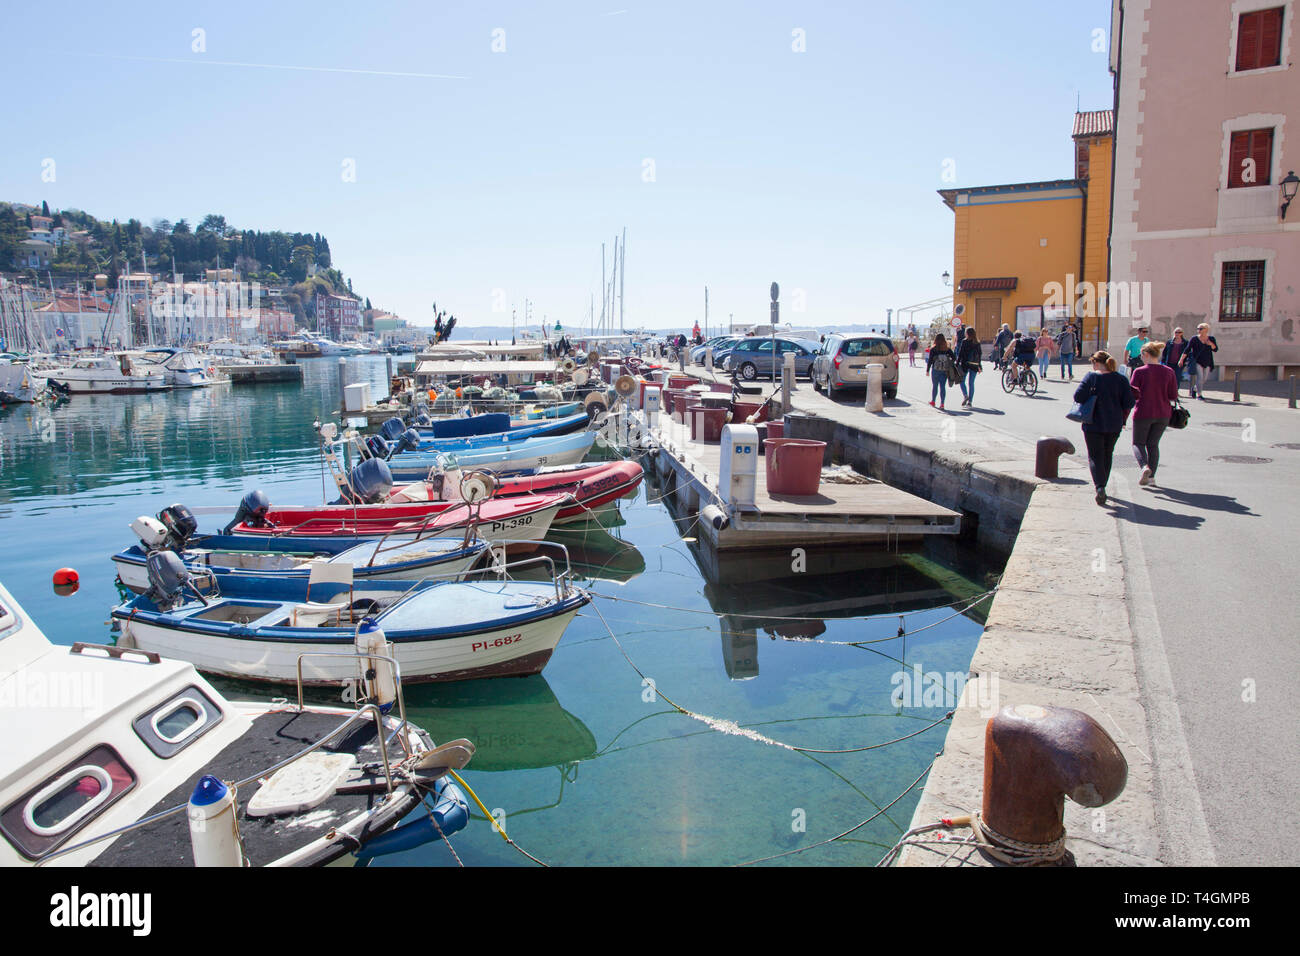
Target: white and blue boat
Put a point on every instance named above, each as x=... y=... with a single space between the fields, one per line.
x=232 y=558
x=436 y=631
x=499 y=456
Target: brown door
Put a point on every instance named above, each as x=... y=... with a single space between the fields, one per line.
x=988 y=318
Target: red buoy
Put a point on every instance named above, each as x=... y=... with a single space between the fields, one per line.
x=65 y=576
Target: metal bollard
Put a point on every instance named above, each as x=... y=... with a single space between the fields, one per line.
x=1047 y=455
x=1236 y=385
x=1291 y=402
x=1035 y=757
x=343 y=382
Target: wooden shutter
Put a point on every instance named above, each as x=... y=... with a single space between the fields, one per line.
x=1259 y=39
x=1256 y=144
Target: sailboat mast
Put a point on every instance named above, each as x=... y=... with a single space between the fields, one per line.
x=622 y=278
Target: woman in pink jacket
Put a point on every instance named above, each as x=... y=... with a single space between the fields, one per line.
x=1154 y=386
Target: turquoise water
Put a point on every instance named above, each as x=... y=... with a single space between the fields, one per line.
x=587 y=764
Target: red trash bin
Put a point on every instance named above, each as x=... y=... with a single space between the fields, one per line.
x=776 y=429
x=742 y=410
x=794 y=465
x=706 y=423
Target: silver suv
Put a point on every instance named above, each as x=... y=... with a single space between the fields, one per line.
x=843 y=360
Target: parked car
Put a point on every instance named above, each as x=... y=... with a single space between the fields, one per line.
x=718 y=343
x=842 y=363
x=752 y=357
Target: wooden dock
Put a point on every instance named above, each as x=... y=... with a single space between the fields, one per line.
x=868 y=512
x=258 y=374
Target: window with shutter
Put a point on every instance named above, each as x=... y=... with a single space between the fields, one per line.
x=1259 y=39
x=1241 y=296
x=1250 y=158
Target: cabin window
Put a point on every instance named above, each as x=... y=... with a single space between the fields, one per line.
x=1241 y=295
x=1259 y=39
x=1250 y=158
x=56 y=808
x=171 y=726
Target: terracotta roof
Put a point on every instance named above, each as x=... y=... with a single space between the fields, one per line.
x=1094 y=123
x=70 y=303
x=1003 y=284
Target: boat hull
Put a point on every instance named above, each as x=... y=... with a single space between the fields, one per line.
x=511 y=651
x=525 y=520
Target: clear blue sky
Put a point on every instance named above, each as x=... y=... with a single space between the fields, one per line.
x=816 y=169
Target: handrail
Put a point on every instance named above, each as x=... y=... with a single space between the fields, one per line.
x=181 y=808
x=556 y=579
x=397 y=677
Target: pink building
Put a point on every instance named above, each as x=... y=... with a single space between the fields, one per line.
x=1205 y=89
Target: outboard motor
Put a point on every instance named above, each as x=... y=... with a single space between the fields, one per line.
x=423 y=419
x=167 y=579
x=252 y=510
x=371 y=481
x=151 y=532
x=378 y=447
x=392 y=429
x=180 y=523
x=409 y=440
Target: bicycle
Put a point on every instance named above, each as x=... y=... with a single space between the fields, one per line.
x=1020 y=376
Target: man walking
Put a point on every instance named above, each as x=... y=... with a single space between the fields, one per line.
x=1000 y=343
x=1068 y=343
x=1133 y=350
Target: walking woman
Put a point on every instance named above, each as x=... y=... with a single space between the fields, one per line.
x=1200 y=359
x=1114 y=399
x=969 y=355
x=911 y=349
x=1156 y=386
x=1172 y=356
x=939 y=362
x=1044 y=352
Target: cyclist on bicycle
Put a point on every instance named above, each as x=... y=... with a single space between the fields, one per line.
x=1023 y=355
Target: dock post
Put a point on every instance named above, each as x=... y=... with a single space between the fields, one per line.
x=389 y=363
x=787 y=378
x=875 y=400
x=343 y=382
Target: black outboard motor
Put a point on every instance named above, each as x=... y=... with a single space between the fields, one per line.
x=409 y=440
x=168 y=578
x=180 y=524
x=252 y=510
x=378 y=447
x=423 y=419
x=371 y=481
x=392 y=429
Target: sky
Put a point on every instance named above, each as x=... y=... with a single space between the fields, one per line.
x=477 y=154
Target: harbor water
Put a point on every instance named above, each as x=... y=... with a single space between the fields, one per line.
x=791 y=666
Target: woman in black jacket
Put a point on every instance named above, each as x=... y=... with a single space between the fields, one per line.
x=1114 y=400
x=969 y=355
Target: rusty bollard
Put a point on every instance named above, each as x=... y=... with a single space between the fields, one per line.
x=1035 y=757
x=1049 y=450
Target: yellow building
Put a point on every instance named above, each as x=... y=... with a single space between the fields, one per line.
x=1035 y=254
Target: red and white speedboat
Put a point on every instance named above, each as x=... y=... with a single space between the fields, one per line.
x=592 y=485
x=518 y=518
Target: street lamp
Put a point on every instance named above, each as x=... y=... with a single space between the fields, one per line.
x=1288 y=187
x=947 y=279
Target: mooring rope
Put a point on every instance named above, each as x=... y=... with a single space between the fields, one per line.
x=723 y=725
x=840 y=836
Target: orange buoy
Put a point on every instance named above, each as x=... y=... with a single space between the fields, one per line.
x=66 y=581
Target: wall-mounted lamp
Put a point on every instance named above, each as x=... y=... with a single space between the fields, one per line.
x=1288 y=187
x=947 y=279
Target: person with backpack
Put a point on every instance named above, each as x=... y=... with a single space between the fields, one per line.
x=1155 y=386
x=969 y=355
x=1200 y=359
x=1112 y=400
x=939 y=364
